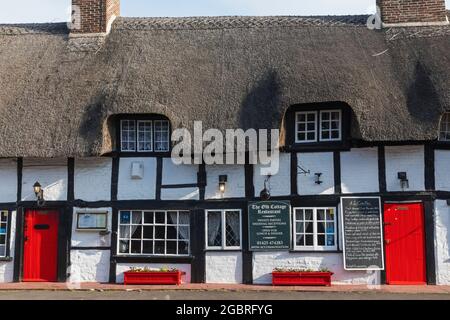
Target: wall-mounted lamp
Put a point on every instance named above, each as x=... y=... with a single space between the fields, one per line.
x=39 y=192
x=404 y=182
x=222 y=183
x=265 y=193
x=318 y=176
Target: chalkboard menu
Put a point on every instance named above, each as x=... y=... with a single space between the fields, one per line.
x=362 y=233
x=269 y=225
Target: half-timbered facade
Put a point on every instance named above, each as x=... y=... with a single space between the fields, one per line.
x=88 y=115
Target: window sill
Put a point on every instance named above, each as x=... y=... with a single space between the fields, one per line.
x=223 y=250
x=6 y=259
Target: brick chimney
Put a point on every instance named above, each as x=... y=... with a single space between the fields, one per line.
x=93 y=16
x=412 y=12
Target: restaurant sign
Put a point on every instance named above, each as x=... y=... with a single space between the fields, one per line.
x=269 y=225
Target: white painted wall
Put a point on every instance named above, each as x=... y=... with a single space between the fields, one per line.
x=50 y=173
x=442 y=172
x=137 y=189
x=178 y=174
x=442 y=242
x=223 y=267
x=265 y=262
x=359 y=170
x=89 y=266
x=122 y=267
x=7 y=267
x=321 y=162
x=93 y=179
x=8 y=176
x=235 y=187
x=409 y=159
x=90 y=238
x=280 y=183
x=180 y=194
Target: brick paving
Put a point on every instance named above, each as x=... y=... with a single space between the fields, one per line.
x=222 y=287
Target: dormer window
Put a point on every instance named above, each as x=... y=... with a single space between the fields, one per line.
x=444 y=128
x=144 y=135
x=318 y=126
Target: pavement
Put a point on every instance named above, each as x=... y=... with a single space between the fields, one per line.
x=98 y=291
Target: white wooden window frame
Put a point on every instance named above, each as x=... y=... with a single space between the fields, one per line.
x=122 y=136
x=6 y=243
x=166 y=134
x=297 y=122
x=329 y=121
x=151 y=135
x=154 y=225
x=223 y=230
x=444 y=127
x=315 y=246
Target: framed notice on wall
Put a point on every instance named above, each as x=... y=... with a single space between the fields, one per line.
x=269 y=225
x=362 y=233
x=92 y=221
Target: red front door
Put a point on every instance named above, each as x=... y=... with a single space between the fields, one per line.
x=405 y=244
x=40 y=245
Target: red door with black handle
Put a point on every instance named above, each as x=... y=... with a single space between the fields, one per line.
x=40 y=246
x=405 y=244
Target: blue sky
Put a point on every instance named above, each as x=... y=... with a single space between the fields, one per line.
x=20 y=11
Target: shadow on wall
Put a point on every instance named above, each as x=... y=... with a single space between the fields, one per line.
x=423 y=100
x=260 y=109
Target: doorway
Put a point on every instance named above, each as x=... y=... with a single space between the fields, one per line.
x=405 y=244
x=40 y=255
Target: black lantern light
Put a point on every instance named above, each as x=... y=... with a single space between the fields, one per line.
x=265 y=193
x=222 y=183
x=39 y=192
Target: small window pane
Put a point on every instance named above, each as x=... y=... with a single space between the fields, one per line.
x=128 y=135
x=135 y=246
x=124 y=246
x=214 y=228
x=330 y=122
x=171 y=247
x=321 y=239
x=159 y=247
x=162 y=135
x=147 y=247
x=148 y=232
x=309 y=227
x=136 y=232
x=137 y=217
x=330 y=240
x=299 y=227
x=308 y=215
x=160 y=232
x=233 y=227
x=160 y=217
x=183 y=233
x=309 y=240
x=171 y=232
x=306 y=124
x=145 y=136
x=148 y=217
x=183 y=217
x=125 y=217
x=321 y=227
x=183 y=247
x=300 y=240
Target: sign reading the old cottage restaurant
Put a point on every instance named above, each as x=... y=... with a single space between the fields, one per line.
x=362 y=233
x=269 y=225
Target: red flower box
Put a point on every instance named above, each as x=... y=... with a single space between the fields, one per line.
x=301 y=278
x=153 y=277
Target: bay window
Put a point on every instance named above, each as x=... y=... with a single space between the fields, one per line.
x=315 y=229
x=154 y=232
x=223 y=229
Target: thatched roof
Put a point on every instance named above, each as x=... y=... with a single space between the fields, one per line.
x=57 y=94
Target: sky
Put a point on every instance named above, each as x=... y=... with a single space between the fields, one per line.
x=26 y=11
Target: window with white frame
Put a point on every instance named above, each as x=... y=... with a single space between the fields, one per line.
x=154 y=232
x=444 y=128
x=318 y=126
x=315 y=229
x=306 y=126
x=330 y=125
x=3 y=233
x=223 y=229
x=144 y=135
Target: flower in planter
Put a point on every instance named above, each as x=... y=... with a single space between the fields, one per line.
x=147 y=269
x=300 y=270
